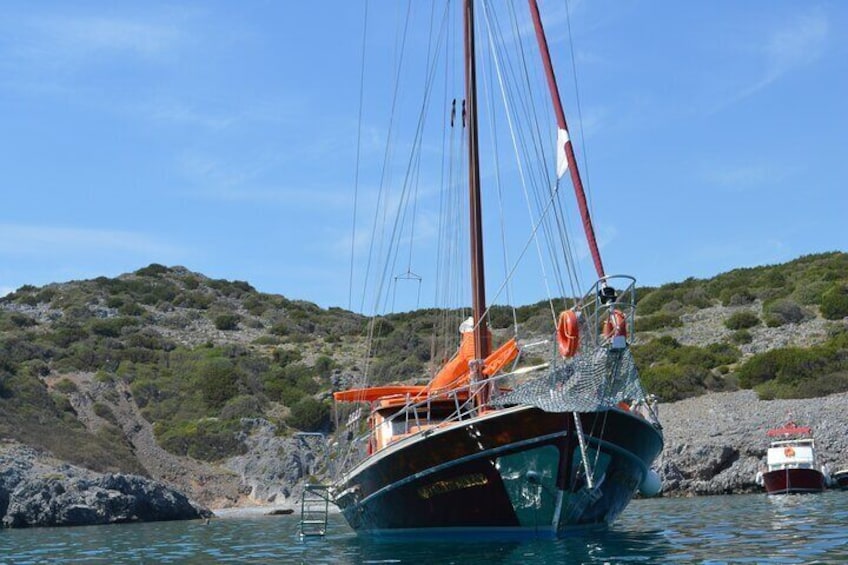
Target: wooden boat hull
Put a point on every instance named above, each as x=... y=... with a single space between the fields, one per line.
x=517 y=470
x=793 y=481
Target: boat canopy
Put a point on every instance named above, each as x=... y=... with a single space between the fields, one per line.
x=790 y=429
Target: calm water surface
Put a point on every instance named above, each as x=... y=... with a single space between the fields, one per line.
x=724 y=529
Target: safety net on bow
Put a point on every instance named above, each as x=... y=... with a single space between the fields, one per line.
x=595 y=380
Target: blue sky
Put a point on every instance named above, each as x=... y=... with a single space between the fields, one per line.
x=221 y=136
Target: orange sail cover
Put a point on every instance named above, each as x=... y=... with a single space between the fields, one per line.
x=453 y=375
x=376 y=393
x=456 y=374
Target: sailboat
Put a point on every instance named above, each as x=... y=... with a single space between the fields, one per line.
x=489 y=446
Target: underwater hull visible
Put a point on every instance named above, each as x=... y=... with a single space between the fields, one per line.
x=512 y=471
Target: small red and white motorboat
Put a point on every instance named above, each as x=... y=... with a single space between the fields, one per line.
x=791 y=461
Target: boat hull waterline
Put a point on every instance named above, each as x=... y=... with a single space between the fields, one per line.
x=794 y=481
x=517 y=471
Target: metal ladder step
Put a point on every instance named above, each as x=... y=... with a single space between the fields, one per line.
x=314 y=508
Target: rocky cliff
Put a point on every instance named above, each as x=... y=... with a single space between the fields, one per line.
x=38 y=490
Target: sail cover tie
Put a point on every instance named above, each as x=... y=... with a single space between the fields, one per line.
x=562 y=159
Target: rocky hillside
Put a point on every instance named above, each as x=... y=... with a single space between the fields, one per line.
x=207 y=384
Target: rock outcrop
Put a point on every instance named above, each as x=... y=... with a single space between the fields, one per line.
x=37 y=490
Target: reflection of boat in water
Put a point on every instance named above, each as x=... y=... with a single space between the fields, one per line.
x=791 y=461
x=488 y=448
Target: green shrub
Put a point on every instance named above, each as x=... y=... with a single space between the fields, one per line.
x=66 y=386
x=227 y=322
x=111 y=327
x=256 y=304
x=241 y=407
x=654 y=301
x=737 y=296
x=674 y=382
x=105 y=412
x=36 y=368
x=194 y=299
x=658 y=321
x=266 y=340
x=285 y=357
x=500 y=317
x=791 y=366
x=152 y=270
x=742 y=320
x=219 y=382
x=834 y=302
x=208 y=439
x=784 y=311
x=66 y=334
x=812 y=293
x=131 y=309
x=19 y=321
x=281 y=329
x=5 y=383
x=62 y=403
x=324 y=366
x=309 y=415
x=740 y=337
x=822 y=385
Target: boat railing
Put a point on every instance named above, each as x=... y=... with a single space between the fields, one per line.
x=609 y=298
x=412 y=415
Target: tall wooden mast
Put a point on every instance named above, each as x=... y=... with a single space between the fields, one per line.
x=482 y=347
x=564 y=139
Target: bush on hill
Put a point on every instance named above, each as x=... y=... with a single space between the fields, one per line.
x=784 y=311
x=834 y=302
x=794 y=372
x=673 y=371
x=208 y=439
x=310 y=415
x=742 y=320
x=658 y=321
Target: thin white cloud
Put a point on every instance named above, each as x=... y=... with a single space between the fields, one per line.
x=785 y=49
x=16 y=239
x=83 y=38
x=5 y=290
x=747 y=176
x=238 y=181
x=797 y=45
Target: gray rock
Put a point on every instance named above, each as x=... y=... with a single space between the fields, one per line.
x=36 y=490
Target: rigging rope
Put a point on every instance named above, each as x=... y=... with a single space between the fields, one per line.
x=490 y=30
x=358 y=156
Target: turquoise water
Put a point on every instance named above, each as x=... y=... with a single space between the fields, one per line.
x=724 y=529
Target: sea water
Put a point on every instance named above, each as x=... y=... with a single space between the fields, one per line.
x=753 y=528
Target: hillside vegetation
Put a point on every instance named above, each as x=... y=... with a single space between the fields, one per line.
x=200 y=357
